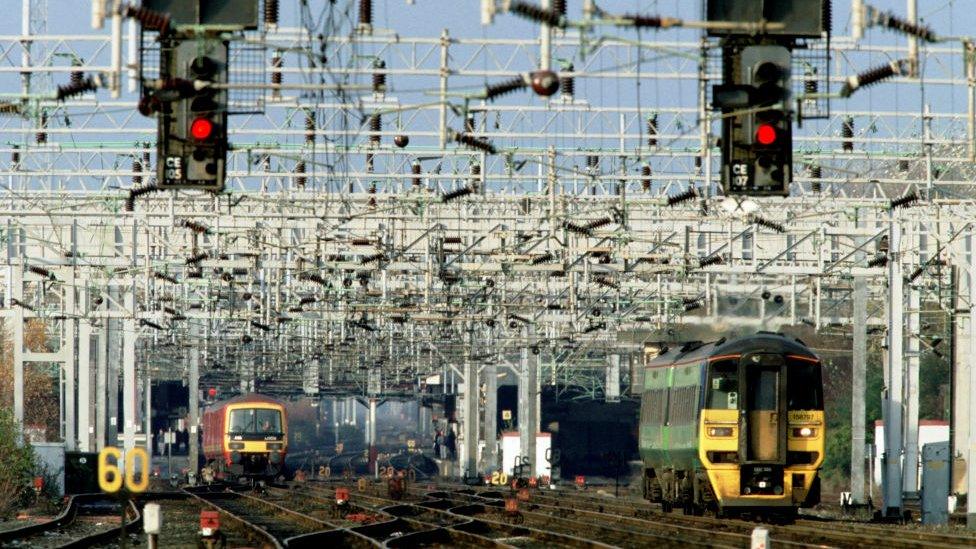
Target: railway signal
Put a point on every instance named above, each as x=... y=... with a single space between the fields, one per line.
x=757 y=144
x=192 y=133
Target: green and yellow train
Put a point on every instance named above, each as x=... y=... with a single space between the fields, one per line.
x=733 y=427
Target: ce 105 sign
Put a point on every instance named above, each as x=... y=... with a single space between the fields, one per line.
x=110 y=478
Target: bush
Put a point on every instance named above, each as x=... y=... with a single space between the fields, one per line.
x=19 y=466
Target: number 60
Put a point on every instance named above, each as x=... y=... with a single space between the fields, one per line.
x=109 y=477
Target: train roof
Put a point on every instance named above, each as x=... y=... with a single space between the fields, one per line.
x=762 y=341
x=244 y=399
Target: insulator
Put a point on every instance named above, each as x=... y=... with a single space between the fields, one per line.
x=41 y=136
x=575 y=228
x=167 y=278
x=810 y=83
x=196 y=258
x=260 y=326
x=137 y=175
x=698 y=162
x=507 y=86
x=469 y=123
x=872 y=76
x=710 y=260
x=369 y=162
x=146 y=158
x=456 y=193
x=690 y=194
x=879 y=260
x=76 y=76
x=130 y=201
x=772 y=225
x=905 y=200
x=375 y=127
x=916 y=273
x=644 y=20
x=379 y=76
x=646 y=177
x=373 y=258
x=415 y=169
x=903 y=165
x=827 y=15
x=309 y=127
x=475 y=169
x=9 y=108
x=559 y=6
x=592 y=161
x=816 y=174
x=271 y=13
x=893 y=22
x=300 y=178
x=537 y=14
x=308 y=300
x=150 y=323
x=149 y=19
x=198 y=228
x=475 y=143
x=73 y=88
x=847 y=133
x=652 y=130
x=365 y=14
x=542 y=258
x=15 y=157
x=568 y=84
x=40 y=271
x=276 y=64
x=596 y=224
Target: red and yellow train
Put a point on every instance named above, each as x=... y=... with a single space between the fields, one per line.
x=246 y=436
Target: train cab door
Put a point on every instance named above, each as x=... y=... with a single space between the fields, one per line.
x=762 y=378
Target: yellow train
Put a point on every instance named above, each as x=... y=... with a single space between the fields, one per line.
x=733 y=427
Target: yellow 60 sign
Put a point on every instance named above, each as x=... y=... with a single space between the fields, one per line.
x=109 y=476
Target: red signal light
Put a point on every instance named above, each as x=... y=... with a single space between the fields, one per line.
x=766 y=134
x=201 y=128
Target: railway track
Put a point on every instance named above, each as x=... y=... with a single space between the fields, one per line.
x=546 y=527
x=87 y=520
x=802 y=532
x=446 y=524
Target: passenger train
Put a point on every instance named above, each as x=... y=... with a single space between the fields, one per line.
x=733 y=427
x=246 y=437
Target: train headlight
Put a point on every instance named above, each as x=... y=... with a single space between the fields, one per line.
x=804 y=432
x=236 y=445
x=719 y=431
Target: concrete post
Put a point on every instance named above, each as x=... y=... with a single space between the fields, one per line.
x=910 y=472
x=893 y=401
x=490 y=375
x=85 y=397
x=67 y=353
x=101 y=387
x=858 y=377
x=469 y=457
x=129 y=334
x=528 y=411
x=971 y=458
x=17 y=292
x=193 y=385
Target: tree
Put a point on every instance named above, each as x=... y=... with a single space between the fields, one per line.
x=19 y=465
x=41 y=399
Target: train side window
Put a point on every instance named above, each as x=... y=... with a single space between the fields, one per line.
x=804 y=388
x=723 y=385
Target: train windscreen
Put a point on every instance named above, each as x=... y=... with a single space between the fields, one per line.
x=255 y=421
x=723 y=385
x=804 y=389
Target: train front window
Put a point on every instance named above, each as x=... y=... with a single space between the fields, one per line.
x=804 y=388
x=723 y=385
x=763 y=385
x=255 y=421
